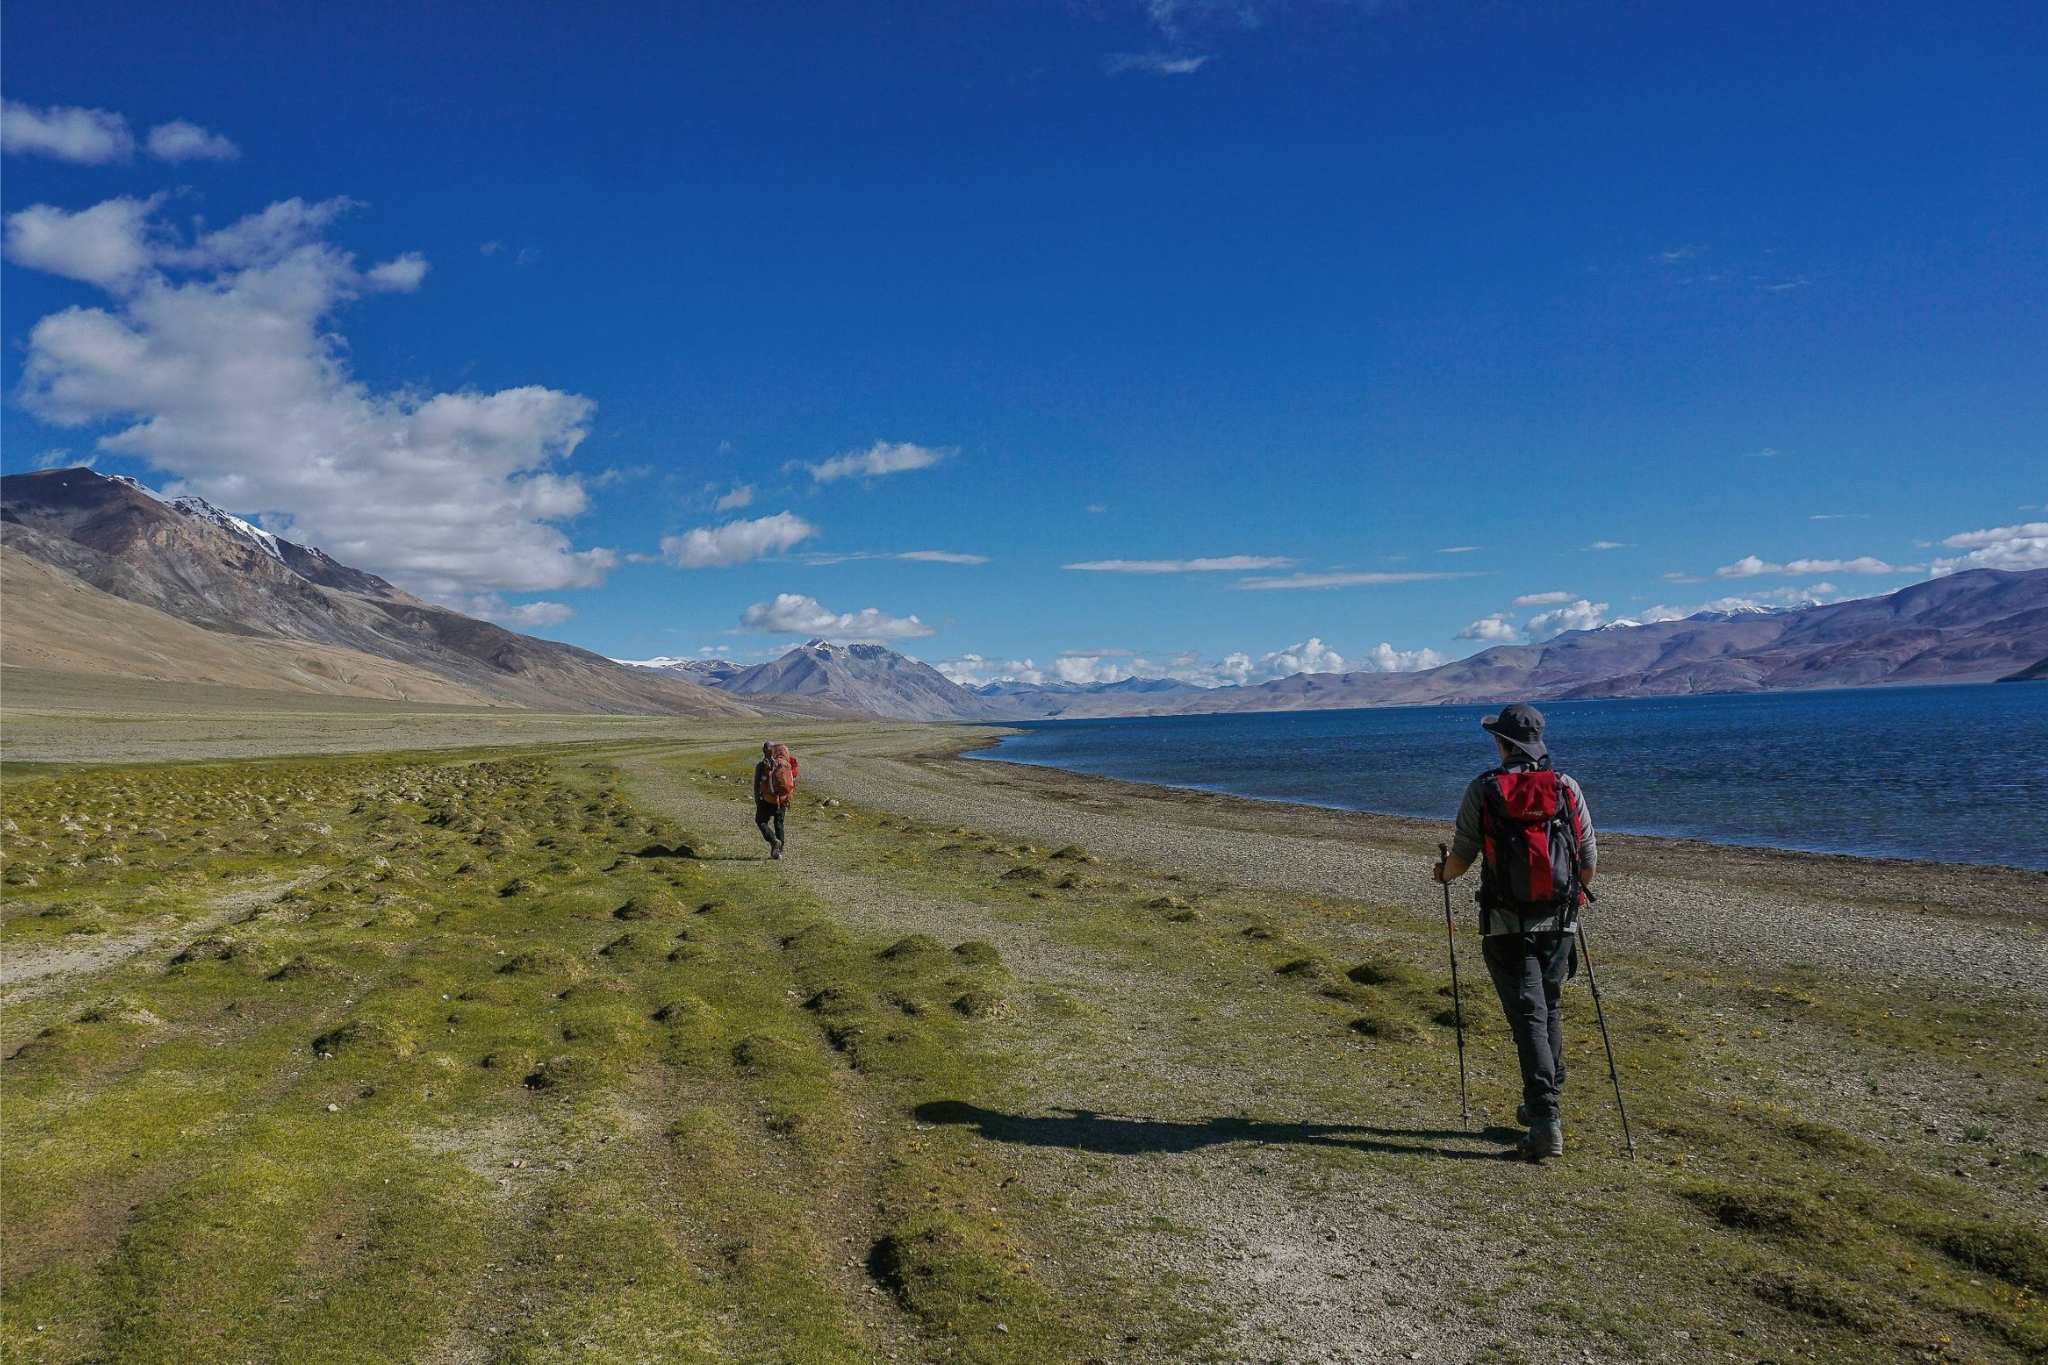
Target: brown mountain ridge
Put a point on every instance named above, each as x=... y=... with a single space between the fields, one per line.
x=103 y=577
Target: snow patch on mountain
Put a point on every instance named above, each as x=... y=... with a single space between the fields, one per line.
x=192 y=505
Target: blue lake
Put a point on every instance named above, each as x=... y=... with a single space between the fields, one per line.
x=1955 y=774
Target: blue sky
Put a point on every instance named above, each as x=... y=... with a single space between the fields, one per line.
x=1326 y=292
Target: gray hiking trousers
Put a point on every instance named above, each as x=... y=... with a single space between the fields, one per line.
x=1528 y=972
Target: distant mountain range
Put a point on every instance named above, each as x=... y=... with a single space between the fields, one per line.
x=1980 y=626
x=102 y=576
x=827 y=679
x=830 y=680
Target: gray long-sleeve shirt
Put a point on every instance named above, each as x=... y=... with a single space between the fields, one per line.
x=1469 y=841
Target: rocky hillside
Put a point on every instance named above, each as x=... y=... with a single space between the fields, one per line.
x=221 y=600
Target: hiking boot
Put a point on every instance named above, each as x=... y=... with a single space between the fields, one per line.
x=1544 y=1138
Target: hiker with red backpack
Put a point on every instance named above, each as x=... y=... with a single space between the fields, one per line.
x=774 y=786
x=1528 y=827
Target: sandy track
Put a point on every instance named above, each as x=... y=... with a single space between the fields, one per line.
x=1975 y=929
x=1303 y=1275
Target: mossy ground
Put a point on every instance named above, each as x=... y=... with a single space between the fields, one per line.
x=636 y=1107
x=461 y=1074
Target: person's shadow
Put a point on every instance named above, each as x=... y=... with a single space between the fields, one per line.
x=1084 y=1130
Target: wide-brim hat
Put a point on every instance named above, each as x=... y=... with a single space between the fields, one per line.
x=1520 y=725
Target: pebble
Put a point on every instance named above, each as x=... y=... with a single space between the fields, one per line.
x=334 y=1109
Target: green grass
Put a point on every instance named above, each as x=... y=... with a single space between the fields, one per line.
x=463 y=1070
x=420 y=1055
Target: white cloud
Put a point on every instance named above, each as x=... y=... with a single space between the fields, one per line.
x=1095 y=509
x=793 y=614
x=182 y=141
x=1156 y=63
x=62 y=458
x=284 y=229
x=1341 y=580
x=1839 y=516
x=1083 y=669
x=106 y=245
x=1753 y=601
x=1607 y=545
x=1542 y=599
x=733 y=499
x=1384 y=658
x=1750 y=566
x=222 y=364
x=1999 y=547
x=1310 y=656
x=972 y=670
x=1579 y=615
x=1498 y=628
x=941 y=557
x=119 y=245
x=90 y=137
x=1213 y=564
x=883 y=457
x=525 y=616
x=1458 y=549
x=399 y=275
x=912 y=556
x=736 y=542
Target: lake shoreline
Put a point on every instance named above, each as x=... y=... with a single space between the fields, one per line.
x=2001 y=893
x=1885 y=775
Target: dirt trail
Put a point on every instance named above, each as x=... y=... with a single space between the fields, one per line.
x=1309 y=1265
x=1978 y=929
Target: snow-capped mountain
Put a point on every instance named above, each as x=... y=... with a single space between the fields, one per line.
x=827 y=677
x=701 y=670
x=192 y=505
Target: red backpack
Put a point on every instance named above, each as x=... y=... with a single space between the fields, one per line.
x=1531 y=843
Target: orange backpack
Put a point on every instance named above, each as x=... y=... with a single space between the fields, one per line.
x=775 y=782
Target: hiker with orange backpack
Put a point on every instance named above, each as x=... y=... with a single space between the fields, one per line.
x=1528 y=826
x=774 y=786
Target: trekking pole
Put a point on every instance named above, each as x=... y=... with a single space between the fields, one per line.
x=1457 y=1000
x=1608 y=1042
